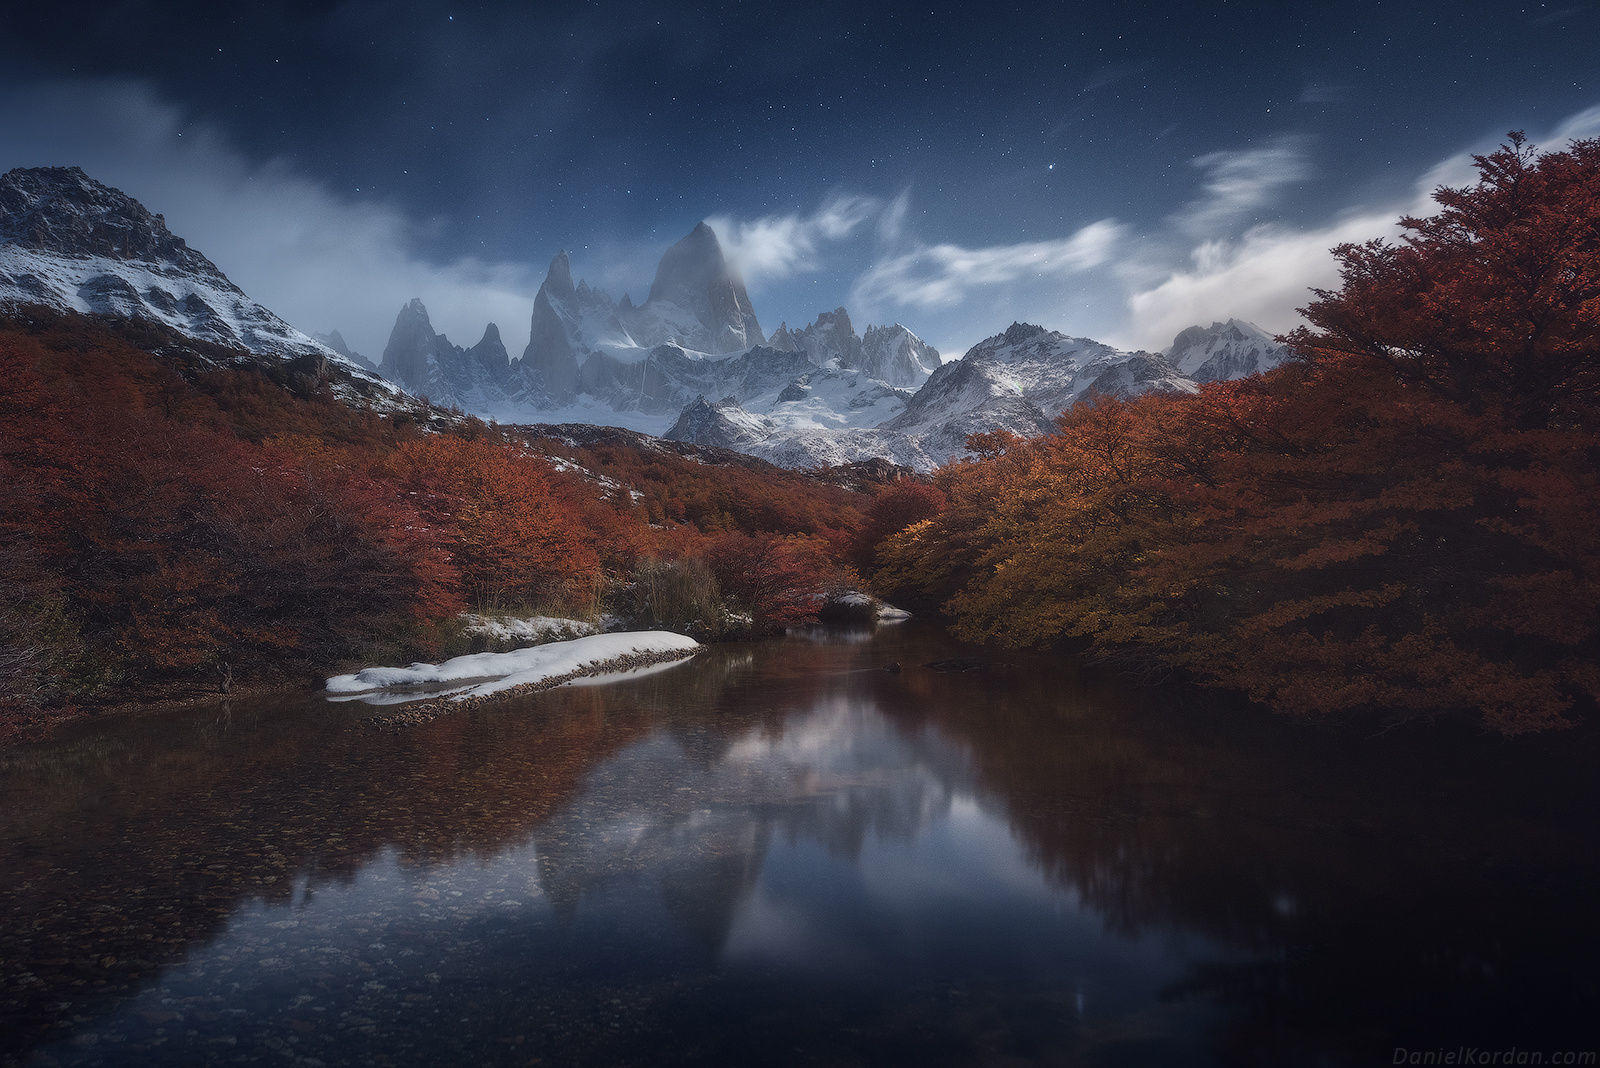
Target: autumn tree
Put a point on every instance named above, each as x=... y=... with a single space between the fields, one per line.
x=1397 y=524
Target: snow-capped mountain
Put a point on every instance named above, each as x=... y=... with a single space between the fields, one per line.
x=591 y=357
x=727 y=425
x=895 y=355
x=582 y=340
x=890 y=354
x=691 y=360
x=1018 y=381
x=73 y=244
x=1224 y=351
x=571 y=323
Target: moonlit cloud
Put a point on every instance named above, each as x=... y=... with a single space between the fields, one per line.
x=1239 y=183
x=1269 y=271
x=321 y=259
x=892 y=221
x=777 y=246
x=942 y=275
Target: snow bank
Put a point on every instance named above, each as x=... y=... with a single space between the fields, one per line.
x=862 y=607
x=486 y=673
x=531 y=630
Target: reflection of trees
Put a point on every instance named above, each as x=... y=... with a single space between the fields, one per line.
x=1366 y=892
x=119 y=852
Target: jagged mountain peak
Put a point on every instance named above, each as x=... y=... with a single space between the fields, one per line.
x=694 y=277
x=425 y=362
x=335 y=341
x=693 y=263
x=838 y=317
x=895 y=355
x=1017 y=333
x=558 y=279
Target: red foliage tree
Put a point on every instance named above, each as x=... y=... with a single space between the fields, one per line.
x=1396 y=525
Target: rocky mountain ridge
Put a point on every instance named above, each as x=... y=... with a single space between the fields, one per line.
x=691 y=361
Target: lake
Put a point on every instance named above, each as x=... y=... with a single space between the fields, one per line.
x=781 y=852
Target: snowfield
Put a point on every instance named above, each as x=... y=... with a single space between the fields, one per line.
x=481 y=674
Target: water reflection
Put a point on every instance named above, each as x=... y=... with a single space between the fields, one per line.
x=783 y=852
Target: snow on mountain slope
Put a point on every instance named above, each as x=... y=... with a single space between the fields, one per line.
x=726 y=425
x=831 y=341
x=828 y=399
x=73 y=244
x=1224 y=351
x=1020 y=381
x=569 y=323
x=891 y=354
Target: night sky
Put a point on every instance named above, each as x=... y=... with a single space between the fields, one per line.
x=1106 y=169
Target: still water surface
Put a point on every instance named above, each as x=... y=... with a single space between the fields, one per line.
x=782 y=853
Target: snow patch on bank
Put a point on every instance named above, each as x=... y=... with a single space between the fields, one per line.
x=481 y=674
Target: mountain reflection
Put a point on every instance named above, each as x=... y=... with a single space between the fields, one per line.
x=781 y=849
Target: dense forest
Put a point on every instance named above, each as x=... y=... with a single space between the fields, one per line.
x=1398 y=524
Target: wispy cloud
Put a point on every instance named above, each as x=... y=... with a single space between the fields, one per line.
x=1267 y=272
x=776 y=246
x=1240 y=182
x=943 y=275
x=892 y=220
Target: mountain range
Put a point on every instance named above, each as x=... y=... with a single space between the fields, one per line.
x=690 y=362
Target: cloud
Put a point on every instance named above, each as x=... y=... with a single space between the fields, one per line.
x=319 y=258
x=892 y=221
x=1269 y=270
x=1262 y=277
x=776 y=246
x=943 y=275
x=1240 y=182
